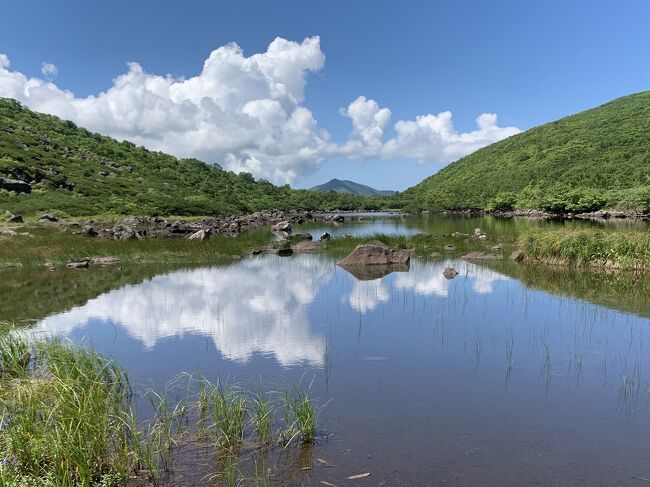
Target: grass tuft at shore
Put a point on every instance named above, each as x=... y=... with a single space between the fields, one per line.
x=67 y=419
x=621 y=249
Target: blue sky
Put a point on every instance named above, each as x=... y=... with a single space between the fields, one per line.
x=527 y=62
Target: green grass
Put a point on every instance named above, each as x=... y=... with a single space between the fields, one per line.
x=263 y=416
x=67 y=419
x=301 y=416
x=599 y=158
x=624 y=249
x=229 y=409
x=50 y=245
x=63 y=420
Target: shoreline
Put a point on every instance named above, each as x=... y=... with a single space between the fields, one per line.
x=600 y=215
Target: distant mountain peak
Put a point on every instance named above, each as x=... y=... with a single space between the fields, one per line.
x=350 y=187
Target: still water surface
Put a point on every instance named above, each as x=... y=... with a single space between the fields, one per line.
x=477 y=381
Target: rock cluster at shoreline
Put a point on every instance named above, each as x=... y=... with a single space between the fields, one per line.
x=140 y=227
x=594 y=215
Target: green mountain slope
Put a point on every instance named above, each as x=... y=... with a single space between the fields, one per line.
x=74 y=171
x=594 y=159
x=350 y=187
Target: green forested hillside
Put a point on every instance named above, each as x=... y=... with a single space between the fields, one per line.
x=350 y=187
x=595 y=159
x=74 y=171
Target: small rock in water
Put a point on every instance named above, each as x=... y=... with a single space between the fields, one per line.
x=450 y=273
x=517 y=255
x=282 y=227
x=282 y=252
x=325 y=236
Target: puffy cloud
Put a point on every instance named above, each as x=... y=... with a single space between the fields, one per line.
x=49 y=70
x=246 y=113
x=369 y=122
x=427 y=138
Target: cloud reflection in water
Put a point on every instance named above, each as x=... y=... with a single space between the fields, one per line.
x=256 y=306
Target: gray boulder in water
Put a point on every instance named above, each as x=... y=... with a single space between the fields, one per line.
x=375 y=253
x=282 y=227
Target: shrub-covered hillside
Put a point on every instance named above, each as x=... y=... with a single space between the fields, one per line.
x=595 y=159
x=50 y=164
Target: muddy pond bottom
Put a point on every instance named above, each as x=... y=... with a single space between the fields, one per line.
x=425 y=381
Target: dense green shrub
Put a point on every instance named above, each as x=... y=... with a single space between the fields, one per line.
x=504 y=201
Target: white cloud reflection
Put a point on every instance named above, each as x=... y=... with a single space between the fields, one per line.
x=257 y=306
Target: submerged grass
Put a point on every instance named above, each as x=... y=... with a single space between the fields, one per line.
x=301 y=416
x=67 y=419
x=622 y=249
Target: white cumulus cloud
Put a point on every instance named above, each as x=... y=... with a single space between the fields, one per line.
x=427 y=138
x=247 y=114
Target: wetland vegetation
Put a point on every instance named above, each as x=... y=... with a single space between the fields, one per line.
x=68 y=418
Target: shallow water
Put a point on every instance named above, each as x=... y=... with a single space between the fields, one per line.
x=373 y=223
x=477 y=381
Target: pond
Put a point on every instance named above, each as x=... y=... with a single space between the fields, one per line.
x=393 y=223
x=502 y=376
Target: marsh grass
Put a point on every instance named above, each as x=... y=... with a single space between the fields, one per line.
x=301 y=417
x=229 y=408
x=15 y=355
x=61 y=420
x=618 y=249
x=263 y=416
x=67 y=419
x=46 y=244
